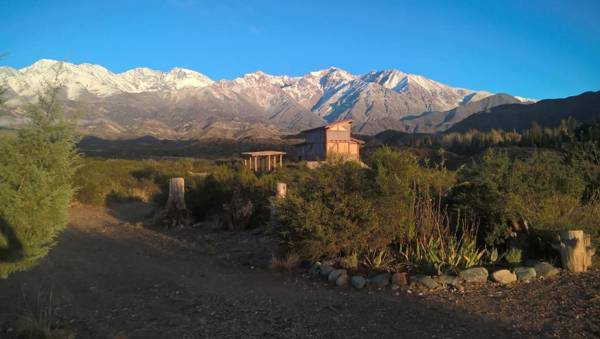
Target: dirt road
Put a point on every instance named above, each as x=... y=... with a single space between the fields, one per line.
x=111 y=279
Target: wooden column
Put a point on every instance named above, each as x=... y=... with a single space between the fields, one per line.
x=268 y=163
x=575 y=250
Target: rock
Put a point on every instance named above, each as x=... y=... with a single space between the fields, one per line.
x=325 y=270
x=358 y=281
x=381 y=280
x=525 y=273
x=333 y=275
x=474 y=275
x=504 y=277
x=342 y=280
x=399 y=279
x=449 y=280
x=315 y=269
x=424 y=281
x=545 y=270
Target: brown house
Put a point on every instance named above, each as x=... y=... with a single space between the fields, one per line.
x=333 y=139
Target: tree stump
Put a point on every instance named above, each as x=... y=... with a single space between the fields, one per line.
x=281 y=190
x=575 y=250
x=176 y=209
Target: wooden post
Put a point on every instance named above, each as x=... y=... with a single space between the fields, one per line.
x=268 y=163
x=281 y=190
x=575 y=250
x=176 y=193
x=176 y=208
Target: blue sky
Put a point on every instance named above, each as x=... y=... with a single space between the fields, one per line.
x=532 y=48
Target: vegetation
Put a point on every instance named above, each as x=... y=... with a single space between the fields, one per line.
x=36 y=172
x=100 y=180
x=346 y=211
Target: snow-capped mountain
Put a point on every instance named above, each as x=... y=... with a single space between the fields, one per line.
x=87 y=79
x=182 y=103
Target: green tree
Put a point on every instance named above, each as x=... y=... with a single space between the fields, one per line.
x=36 y=172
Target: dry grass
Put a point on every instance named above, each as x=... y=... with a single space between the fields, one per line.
x=286 y=263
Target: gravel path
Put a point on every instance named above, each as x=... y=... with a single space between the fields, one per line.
x=111 y=279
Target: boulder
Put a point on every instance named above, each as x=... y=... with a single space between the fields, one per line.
x=333 y=275
x=545 y=270
x=399 y=279
x=325 y=270
x=424 y=281
x=525 y=273
x=358 y=281
x=504 y=277
x=342 y=280
x=381 y=280
x=474 y=275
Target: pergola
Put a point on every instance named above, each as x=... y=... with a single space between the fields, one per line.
x=263 y=161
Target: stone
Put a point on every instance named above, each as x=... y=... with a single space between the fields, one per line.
x=342 y=280
x=333 y=275
x=474 y=275
x=381 y=280
x=325 y=270
x=399 y=279
x=315 y=269
x=545 y=270
x=358 y=281
x=504 y=277
x=449 y=280
x=525 y=273
x=424 y=281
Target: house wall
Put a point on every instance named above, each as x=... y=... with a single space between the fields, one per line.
x=322 y=142
x=314 y=147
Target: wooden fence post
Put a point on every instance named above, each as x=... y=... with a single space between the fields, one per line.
x=176 y=208
x=281 y=190
x=575 y=250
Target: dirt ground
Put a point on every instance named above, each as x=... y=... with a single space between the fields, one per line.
x=110 y=278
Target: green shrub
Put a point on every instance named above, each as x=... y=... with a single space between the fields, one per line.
x=438 y=245
x=542 y=189
x=36 y=173
x=239 y=196
x=345 y=210
x=513 y=256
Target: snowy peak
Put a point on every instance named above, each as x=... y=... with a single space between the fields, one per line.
x=82 y=79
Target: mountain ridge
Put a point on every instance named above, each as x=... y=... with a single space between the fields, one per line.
x=182 y=102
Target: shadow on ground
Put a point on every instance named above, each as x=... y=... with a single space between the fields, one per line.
x=110 y=280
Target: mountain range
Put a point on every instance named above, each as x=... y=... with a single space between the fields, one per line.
x=184 y=104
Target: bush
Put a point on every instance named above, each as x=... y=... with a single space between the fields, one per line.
x=238 y=195
x=36 y=173
x=358 y=214
x=543 y=189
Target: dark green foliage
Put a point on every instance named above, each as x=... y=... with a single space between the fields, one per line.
x=541 y=189
x=36 y=172
x=343 y=210
x=226 y=189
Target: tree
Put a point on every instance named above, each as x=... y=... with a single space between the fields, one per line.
x=36 y=172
